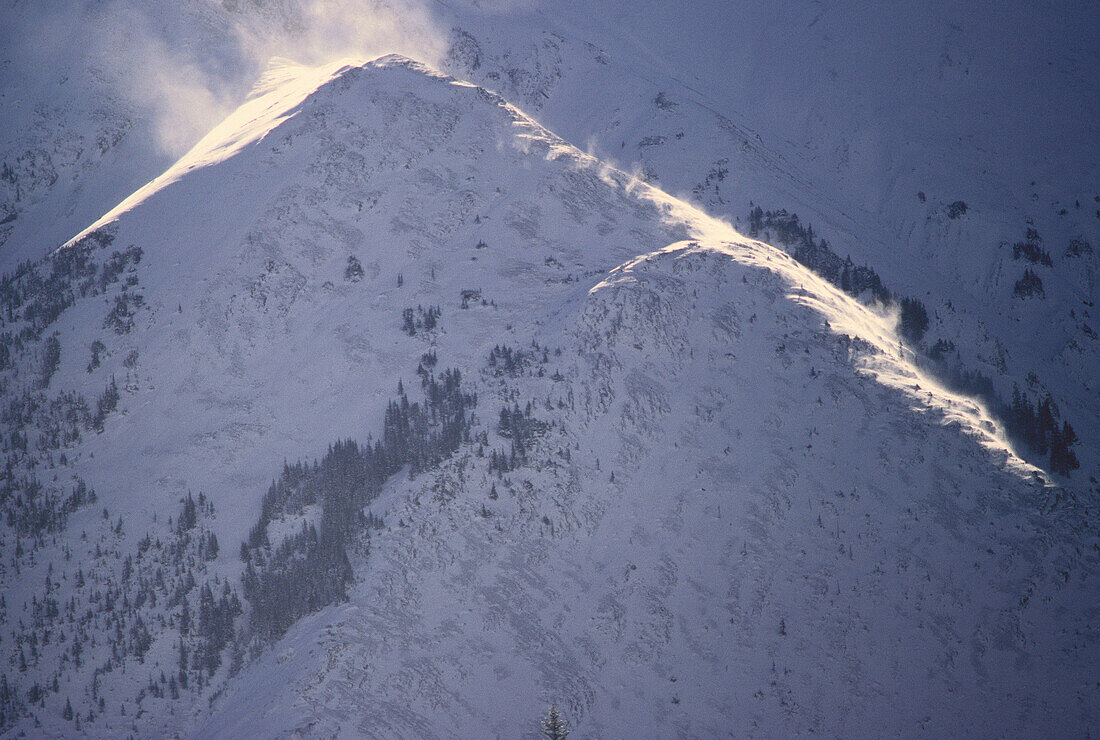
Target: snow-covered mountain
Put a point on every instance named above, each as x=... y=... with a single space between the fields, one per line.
x=680 y=484
x=948 y=149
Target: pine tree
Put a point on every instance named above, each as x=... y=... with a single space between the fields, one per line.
x=354 y=270
x=189 y=516
x=553 y=725
x=185 y=618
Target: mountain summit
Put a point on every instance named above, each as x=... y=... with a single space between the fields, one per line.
x=564 y=440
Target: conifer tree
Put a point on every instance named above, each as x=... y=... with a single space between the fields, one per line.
x=553 y=726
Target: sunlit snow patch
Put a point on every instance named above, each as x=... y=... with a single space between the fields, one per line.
x=286 y=86
x=891 y=363
x=277 y=97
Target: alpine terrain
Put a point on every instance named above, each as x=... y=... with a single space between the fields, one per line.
x=416 y=394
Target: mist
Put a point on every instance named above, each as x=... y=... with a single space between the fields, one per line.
x=187 y=91
x=182 y=67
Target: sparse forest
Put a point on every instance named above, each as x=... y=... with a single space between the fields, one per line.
x=1037 y=426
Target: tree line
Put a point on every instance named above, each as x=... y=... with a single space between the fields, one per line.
x=310 y=569
x=1037 y=426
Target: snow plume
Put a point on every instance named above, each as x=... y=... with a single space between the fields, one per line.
x=185 y=67
x=883 y=356
x=169 y=86
x=322 y=31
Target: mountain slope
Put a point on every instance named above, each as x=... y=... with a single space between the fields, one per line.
x=698 y=502
x=701 y=545
x=925 y=142
x=918 y=141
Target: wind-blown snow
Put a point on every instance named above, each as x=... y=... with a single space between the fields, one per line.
x=891 y=362
x=276 y=98
x=832 y=113
x=749 y=510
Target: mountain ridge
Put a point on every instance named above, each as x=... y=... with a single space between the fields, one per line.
x=727 y=120
x=404 y=190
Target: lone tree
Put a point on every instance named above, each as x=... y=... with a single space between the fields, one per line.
x=553 y=725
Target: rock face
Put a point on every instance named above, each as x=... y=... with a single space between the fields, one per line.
x=702 y=491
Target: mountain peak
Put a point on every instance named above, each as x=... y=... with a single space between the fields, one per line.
x=289 y=90
x=387 y=399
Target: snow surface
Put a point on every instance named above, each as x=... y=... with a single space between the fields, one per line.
x=751 y=512
x=867 y=123
x=837 y=112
